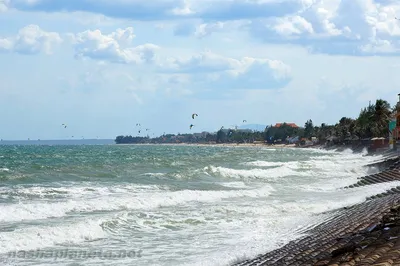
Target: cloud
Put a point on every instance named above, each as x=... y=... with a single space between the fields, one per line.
x=115 y=47
x=4 y=5
x=204 y=29
x=166 y=9
x=211 y=71
x=202 y=62
x=30 y=40
x=359 y=27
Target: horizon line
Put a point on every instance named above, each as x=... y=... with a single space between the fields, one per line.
x=51 y=139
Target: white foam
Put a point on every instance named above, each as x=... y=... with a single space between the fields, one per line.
x=20 y=192
x=154 y=174
x=35 y=237
x=235 y=185
x=252 y=173
x=339 y=199
x=264 y=163
x=120 y=201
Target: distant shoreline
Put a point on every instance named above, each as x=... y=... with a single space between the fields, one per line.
x=214 y=144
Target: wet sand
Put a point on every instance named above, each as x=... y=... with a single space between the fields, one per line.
x=363 y=234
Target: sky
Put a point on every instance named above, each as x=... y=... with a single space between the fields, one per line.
x=103 y=66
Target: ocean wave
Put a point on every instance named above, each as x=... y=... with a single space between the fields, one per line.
x=265 y=198
x=73 y=192
x=121 y=201
x=235 y=185
x=264 y=163
x=335 y=200
x=256 y=173
x=42 y=236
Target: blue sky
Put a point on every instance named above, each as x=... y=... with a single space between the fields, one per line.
x=103 y=66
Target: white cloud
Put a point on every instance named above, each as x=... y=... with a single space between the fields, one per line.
x=30 y=40
x=355 y=27
x=4 y=5
x=208 y=70
x=293 y=25
x=339 y=27
x=207 y=28
x=253 y=73
x=202 y=62
x=115 y=47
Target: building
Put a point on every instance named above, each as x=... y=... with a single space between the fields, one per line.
x=293 y=125
x=201 y=135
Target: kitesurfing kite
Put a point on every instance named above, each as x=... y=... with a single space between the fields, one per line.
x=244 y=121
x=64 y=125
x=138 y=125
x=193 y=115
x=191 y=125
x=139 y=131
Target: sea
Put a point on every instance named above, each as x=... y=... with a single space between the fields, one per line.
x=167 y=204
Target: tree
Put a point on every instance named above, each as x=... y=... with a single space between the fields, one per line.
x=308 y=129
x=221 y=136
x=345 y=128
x=364 y=121
x=381 y=118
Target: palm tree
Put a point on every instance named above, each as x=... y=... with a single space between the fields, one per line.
x=365 y=123
x=381 y=118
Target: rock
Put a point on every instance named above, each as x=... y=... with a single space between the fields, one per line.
x=345 y=249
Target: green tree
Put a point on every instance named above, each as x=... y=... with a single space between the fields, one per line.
x=381 y=118
x=308 y=129
x=221 y=136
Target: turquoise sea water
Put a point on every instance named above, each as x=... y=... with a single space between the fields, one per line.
x=166 y=204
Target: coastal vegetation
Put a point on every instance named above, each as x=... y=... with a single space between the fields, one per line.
x=372 y=121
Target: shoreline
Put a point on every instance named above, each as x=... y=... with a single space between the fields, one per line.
x=214 y=145
x=363 y=234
